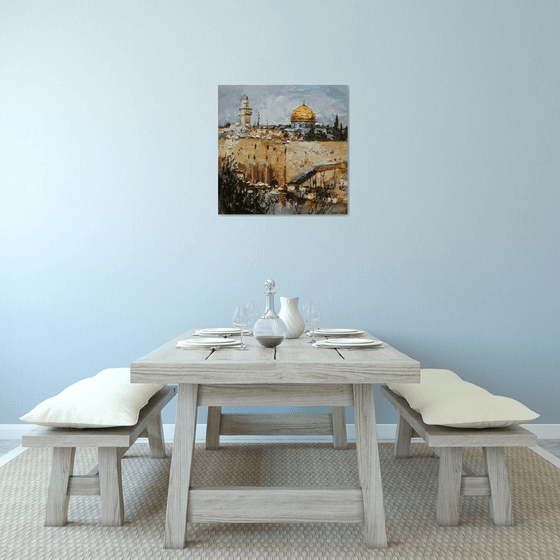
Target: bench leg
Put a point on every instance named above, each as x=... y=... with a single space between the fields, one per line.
x=339 y=427
x=500 y=497
x=449 y=488
x=110 y=483
x=402 y=439
x=57 y=497
x=213 y=427
x=156 y=439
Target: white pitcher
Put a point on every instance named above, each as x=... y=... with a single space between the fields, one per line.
x=290 y=314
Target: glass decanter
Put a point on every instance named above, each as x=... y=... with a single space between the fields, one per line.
x=269 y=330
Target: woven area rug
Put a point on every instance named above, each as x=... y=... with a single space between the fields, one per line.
x=410 y=487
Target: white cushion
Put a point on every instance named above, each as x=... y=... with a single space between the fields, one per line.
x=444 y=399
x=105 y=400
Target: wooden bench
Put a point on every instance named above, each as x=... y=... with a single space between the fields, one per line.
x=455 y=478
x=104 y=479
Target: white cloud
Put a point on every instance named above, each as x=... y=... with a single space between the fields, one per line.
x=276 y=103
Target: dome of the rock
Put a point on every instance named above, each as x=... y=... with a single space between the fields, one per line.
x=303 y=114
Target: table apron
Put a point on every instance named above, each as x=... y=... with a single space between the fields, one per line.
x=274 y=372
x=276 y=395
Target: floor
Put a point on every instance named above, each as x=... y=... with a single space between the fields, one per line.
x=7 y=445
x=551 y=445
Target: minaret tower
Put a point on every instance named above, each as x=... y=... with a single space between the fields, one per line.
x=245 y=112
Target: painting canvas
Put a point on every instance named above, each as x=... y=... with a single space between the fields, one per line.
x=283 y=150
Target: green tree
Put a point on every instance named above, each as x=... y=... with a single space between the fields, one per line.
x=336 y=130
x=233 y=195
x=320 y=205
x=309 y=136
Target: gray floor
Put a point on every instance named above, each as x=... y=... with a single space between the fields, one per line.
x=551 y=445
x=6 y=445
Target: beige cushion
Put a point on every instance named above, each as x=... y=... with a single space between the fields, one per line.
x=108 y=399
x=444 y=399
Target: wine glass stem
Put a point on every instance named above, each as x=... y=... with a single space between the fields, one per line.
x=242 y=345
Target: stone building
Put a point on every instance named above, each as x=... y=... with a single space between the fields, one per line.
x=245 y=112
x=302 y=117
x=278 y=156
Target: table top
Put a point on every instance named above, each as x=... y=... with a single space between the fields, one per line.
x=293 y=361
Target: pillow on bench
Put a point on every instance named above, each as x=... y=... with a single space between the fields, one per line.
x=105 y=400
x=444 y=399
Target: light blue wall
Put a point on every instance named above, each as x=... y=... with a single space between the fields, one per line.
x=110 y=239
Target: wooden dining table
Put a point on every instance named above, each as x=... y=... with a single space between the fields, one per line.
x=295 y=374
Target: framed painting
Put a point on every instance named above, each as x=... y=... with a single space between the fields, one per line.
x=283 y=150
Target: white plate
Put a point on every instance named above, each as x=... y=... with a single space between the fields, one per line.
x=351 y=341
x=206 y=347
x=213 y=347
x=345 y=346
x=220 y=330
x=198 y=334
x=338 y=332
x=348 y=343
x=207 y=342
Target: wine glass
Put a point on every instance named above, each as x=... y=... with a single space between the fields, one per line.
x=253 y=314
x=313 y=316
x=304 y=312
x=241 y=319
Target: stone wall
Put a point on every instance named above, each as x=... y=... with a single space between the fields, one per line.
x=262 y=160
x=300 y=156
x=267 y=160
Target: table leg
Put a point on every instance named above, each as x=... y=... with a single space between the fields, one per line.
x=339 y=427
x=368 y=467
x=181 y=463
x=213 y=427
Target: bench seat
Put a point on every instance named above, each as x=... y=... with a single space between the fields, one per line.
x=455 y=478
x=104 y=479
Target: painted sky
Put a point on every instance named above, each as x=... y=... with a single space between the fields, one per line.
x=276 y=103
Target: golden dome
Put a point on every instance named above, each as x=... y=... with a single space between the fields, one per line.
x=303 y=114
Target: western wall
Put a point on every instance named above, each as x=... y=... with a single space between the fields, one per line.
x=275 y=161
